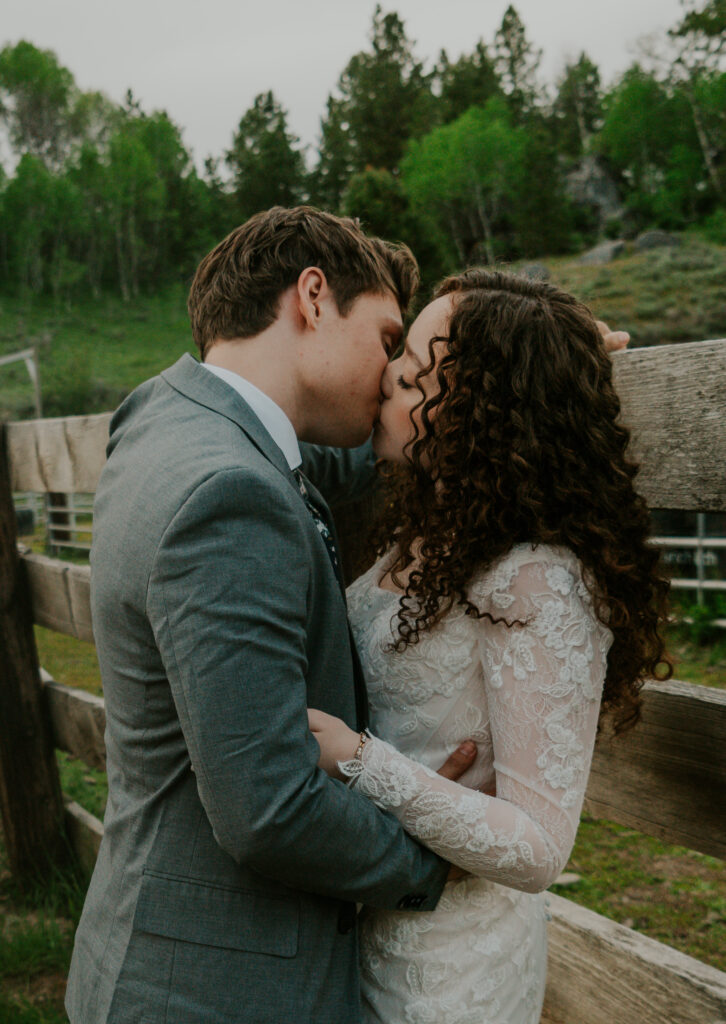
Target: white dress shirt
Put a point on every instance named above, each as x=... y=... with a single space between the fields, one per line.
x=269 y=413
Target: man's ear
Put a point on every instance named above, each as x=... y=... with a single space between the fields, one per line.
x=312 y=292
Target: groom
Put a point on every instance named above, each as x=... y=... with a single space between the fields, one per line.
x=226 y=882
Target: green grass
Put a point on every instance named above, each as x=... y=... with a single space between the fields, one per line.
x=36 y=939
x=92 y=355
x=696 y=663
x=70 y=661
x=667 y=892
x=87 y=786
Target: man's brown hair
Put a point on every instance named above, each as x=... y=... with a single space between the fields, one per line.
x=237 y=287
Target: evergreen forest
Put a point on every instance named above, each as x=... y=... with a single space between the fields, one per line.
x=468 y=160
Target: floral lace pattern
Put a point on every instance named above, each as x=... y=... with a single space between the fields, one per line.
x=529 y=695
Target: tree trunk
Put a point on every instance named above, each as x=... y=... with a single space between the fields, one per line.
x=30 y=796
x=703 y=141
x=457 y=242
x=486 y=225
x=120 y=262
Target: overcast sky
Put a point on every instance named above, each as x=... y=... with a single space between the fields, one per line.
x=204 y=62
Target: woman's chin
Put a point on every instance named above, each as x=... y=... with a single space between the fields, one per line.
x=385 y=446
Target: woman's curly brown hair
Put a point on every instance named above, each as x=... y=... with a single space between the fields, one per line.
x=521 y=443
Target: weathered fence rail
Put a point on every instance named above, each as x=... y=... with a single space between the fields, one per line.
x=666 y=777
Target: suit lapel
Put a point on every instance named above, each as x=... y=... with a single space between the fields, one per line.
x=191 y=380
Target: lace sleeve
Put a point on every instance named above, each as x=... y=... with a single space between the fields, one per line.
x=543 y=683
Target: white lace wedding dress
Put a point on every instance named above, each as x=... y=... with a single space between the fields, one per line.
x=529 y=696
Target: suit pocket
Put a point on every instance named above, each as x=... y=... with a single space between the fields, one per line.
x=213 y=915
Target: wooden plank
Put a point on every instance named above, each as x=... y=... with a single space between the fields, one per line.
x=78 y=719
x=673 y=398
x=64 y=455
x=667 y=775
x=601 y=972
x=60 y=594
x=674 y=401
x=30 y=797
x=85 y=833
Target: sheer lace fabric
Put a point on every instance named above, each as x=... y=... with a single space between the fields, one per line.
x=529 y=695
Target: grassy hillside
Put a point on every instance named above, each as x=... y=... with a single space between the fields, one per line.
x=661 y=296
x=94 y=353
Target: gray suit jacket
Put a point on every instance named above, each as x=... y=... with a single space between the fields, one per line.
x=224 y=887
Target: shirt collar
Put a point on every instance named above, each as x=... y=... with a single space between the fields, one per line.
x=269 y=413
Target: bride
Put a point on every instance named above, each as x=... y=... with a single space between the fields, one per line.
x=518 y=601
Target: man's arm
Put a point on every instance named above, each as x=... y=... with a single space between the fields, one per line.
x=340 y=474
x=227 y=603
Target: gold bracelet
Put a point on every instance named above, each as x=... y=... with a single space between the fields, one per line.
x=358 y=756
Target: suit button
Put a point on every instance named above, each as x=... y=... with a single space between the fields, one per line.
x=414 y=901
x=346 y=918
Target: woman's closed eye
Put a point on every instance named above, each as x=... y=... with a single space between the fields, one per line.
x=402 y=383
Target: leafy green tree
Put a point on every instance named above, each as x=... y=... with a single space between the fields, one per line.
x=93 y=118
x=268 y=168
x=516 y=63
x=170 y=235
x=460 y=178
x=36 y=98
x=336 y=157
x=468 y=82
x=40 y=216
x=577 y=107
x=379 y=201
x=384 y=98
x=698 y=67
x=542 y=218
x=135 y=201
x=705 y=24
x=89 y=174
x=647 y=135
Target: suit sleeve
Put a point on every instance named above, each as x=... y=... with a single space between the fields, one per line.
x=227 y=603
x=341 y=475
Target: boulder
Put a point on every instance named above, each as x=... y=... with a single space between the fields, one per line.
x=591 y=184
x=606 y=252
x=655 y=240
x=535 y=271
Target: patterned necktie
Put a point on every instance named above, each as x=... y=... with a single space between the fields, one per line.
x=361 y=696
x=320 y=522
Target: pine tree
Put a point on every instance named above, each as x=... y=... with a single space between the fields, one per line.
x=267 y=165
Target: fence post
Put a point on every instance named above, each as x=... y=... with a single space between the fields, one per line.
x=59 y=532
x=30 y=798
x=700 y=564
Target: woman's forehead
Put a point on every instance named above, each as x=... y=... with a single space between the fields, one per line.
x=431 y=321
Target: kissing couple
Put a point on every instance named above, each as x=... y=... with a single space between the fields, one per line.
x=271 y=746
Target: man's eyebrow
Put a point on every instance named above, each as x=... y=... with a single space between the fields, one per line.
x=393 y=327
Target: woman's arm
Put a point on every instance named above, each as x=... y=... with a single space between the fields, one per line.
x=543 y=682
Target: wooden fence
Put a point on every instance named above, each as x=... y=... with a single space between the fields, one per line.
x=665 y=777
